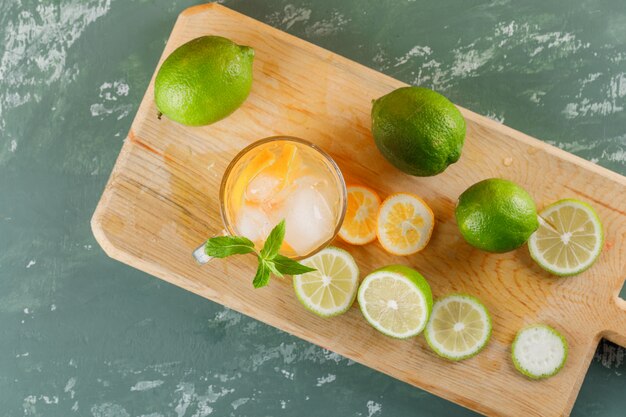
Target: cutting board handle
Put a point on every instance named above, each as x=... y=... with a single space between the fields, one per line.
x=616 y=323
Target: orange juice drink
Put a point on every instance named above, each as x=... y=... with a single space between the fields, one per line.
x=284 y=178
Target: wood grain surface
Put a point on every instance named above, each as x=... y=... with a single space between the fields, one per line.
x=162 y=201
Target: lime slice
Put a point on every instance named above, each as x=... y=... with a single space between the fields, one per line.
x=539 y=351
x=569 y=238
x=459 y=327
x=396 y=300
x=331 y=289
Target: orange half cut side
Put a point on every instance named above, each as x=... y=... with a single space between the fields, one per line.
x=359 y=224
x=405 y=224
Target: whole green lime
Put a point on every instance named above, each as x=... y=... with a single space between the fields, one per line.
x=496 y=215
x=418 y=130
x=204 y=80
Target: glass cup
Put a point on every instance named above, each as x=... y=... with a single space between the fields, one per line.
x=278 y=178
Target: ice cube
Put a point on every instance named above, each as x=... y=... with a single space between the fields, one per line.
x=262 y=188
x=309 y=220
x=306 y=181
x=253 y=223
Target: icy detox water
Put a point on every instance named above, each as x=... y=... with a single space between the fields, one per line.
x=287 y=180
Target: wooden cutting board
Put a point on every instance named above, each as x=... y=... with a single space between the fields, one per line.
x=162 y=201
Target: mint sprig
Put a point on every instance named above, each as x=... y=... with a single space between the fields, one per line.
x=270 y=261
x=274 y=241
x=223 y=246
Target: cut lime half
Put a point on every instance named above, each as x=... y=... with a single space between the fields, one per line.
x=331 y=289
x=539 y=351
x=396 y=300
x=459 y=327
x=569 y=238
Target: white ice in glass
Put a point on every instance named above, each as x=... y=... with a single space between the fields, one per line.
x=305 y=204
x=308 y=218
x=254 y=223
x=262 y=188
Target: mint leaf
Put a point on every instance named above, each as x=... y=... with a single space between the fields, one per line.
x=290 y=267
x=272 y=268
x=262 y=276
x=274 y=241
x=223 y=246
x=270 y=262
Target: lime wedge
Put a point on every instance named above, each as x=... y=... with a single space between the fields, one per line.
x=396 y=300
x=331 y=289
x=539 y=351
x=569 y=238
x=459 y=327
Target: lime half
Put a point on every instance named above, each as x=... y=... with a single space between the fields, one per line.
x=331 y=289
x=459 y=327
x=569 y=238
x=539 y=351
x=396 y=300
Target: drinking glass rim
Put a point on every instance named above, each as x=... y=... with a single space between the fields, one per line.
x=324 y=154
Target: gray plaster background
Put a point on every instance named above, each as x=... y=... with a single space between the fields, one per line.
x=83 y=335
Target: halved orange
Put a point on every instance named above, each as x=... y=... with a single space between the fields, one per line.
x=359 y=224
x=405 y=224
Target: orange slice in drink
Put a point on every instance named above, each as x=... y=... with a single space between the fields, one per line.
x=286 y=165
x=276 y=177
x=261 y=161
x=405 y=224
x=359 y=225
